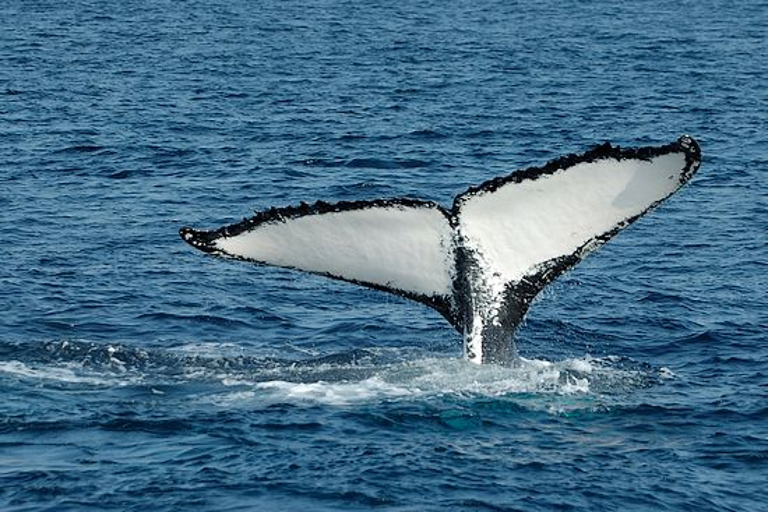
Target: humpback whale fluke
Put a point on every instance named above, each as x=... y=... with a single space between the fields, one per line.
x=481 y=262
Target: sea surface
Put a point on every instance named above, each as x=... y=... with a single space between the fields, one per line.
x=138 y=374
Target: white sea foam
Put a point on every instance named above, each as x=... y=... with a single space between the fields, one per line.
x=420 y=379
x=67 y=374
x=208 y=349
x=336 y=393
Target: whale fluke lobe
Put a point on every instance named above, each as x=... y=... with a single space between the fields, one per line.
x=403 y=246
x=480 y=263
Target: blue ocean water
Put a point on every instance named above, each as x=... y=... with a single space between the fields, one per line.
x=139 y=374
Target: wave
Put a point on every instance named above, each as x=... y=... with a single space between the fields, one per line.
x=367 y=163
x=81 y=148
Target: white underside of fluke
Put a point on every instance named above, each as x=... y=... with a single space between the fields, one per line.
x=404 y=248
x=521 y=225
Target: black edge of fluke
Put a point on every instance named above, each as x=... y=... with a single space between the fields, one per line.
x=692 y=156
x=606 y=150
x=203 y=240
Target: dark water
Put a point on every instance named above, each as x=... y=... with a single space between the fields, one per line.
x=138 y=374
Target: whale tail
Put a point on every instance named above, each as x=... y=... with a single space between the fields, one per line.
x=481 y=263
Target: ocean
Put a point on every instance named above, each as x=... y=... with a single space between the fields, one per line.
x=139 y=374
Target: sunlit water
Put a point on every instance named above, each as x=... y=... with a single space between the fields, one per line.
x=139 y=374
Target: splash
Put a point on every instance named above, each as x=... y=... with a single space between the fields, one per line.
x=441 y=379
x=220 y=375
